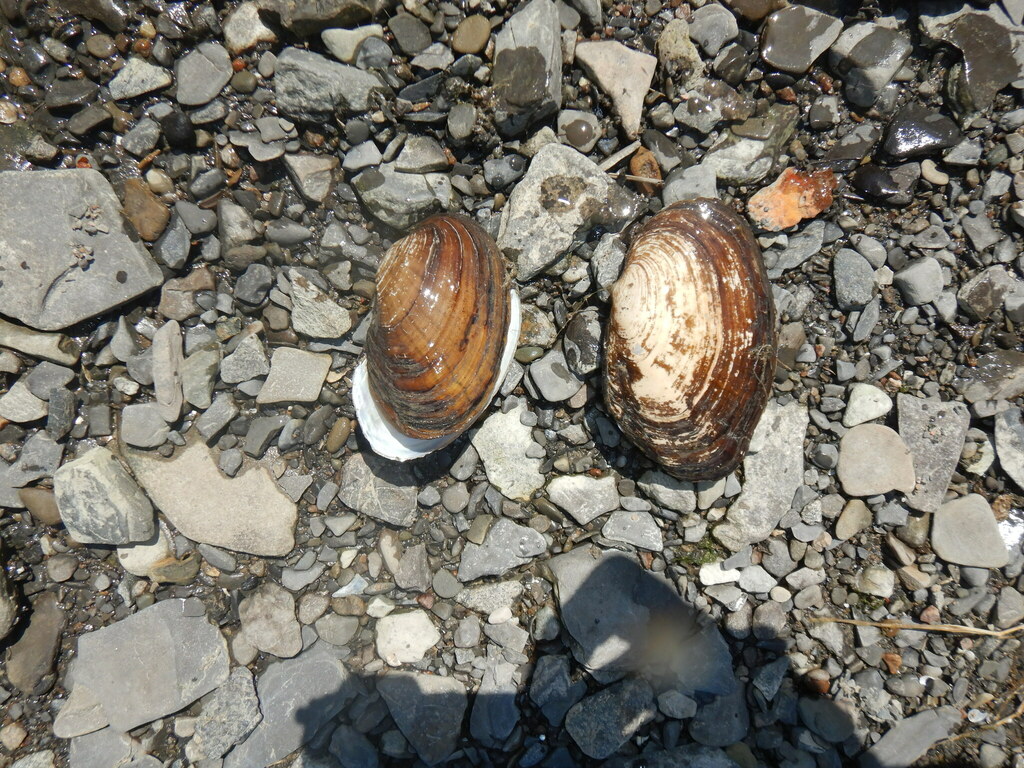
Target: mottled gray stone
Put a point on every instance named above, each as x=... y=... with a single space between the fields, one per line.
x=380 y=489
x=910 y=738
x=296 y=376
x=297 y=697
x=934 y=431
x=503 y=443
x=636 y=528
x=142 y=425
x=228 y=715
x=137 y=77
x=584 y=497
x=202 y=74
x=983 y=548
x=268 y=621
x=99 y=501
x=403 y=199
x=311 y=87
x=505 y=547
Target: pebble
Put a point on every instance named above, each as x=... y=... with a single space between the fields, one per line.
x=202 y=74
x=400 y=200
x=142 y=426
x=527 y=67
x=794 y=37
x=1009 y=442
x=984 y=548
x=869 y=55
x=921 y=282
x=382 y=490
x=916 y=130
x=295 y=376
x=910 y=738
x=310 y=87
x=405 y=637
x=314 y=313
x=865 y=402
x=138 y=77
x=854 y=279
x=472 y=34
x=583 y=497
x=873 y=460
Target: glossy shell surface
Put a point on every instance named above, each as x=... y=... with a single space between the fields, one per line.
x=690 y=348
x=438 y=343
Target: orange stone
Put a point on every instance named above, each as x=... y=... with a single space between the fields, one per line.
x=791 y=198
x=645 y=165
x=893 y=661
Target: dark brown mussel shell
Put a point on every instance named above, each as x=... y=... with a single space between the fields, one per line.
x=690 y=347
x=437 y=338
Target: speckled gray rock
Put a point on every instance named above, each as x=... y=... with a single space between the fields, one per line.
x=142 y=426
x=247 y=361
x=137 y=77
x=584 y=497
x=744 y=154
x=667 y=491
x=268 y=621
x=313 y=174
x=502 y=442
x=983 y=548
x=1009 y=438
x=99 y=501
x=563 y=195
x=151 y=663
x=723 y=722
x=66 y=226
x=495 y=713
x=505 y=547
x=934 y=431
x=314 y=313
x=772 y=476
x=854 y=279
x=311 y=87
x=428 y=709
x=403 y=199
x=297 y=697
x=602 y=723
x=380 y=489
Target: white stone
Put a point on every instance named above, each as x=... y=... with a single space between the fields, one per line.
x=584 y=497
x=502 y=442
x=622 y=73
x=866 y=402
x=405 y=638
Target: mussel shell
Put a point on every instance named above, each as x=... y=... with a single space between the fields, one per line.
x=437 y=337
x=690 y=348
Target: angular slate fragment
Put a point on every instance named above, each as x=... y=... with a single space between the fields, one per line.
x=65 y=254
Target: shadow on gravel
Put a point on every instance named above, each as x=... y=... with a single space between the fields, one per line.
x=623 y=646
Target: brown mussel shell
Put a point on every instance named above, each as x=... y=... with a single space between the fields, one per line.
x=690 y=348
x=435 y=342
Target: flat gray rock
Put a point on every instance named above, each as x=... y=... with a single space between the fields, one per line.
x=142 y=426
x=151 y=663
x=252 y=515
x=608 y=604
x=99 y=501
x=378 y=488
x=297 y=697
x=934 y=431
x=562 y=197
x=723 y=722
x=66 y=226
x=311 y=87
x=983 y=548
x=584 y=497
x=528 y=67
x=202 y=74
x=314 y=313
x=505 y=547
x=602 y=723
x=552 y=688
x=502 y=442
x=228 y=715
x=874 y=459
x=636 y=528
x=771 y=477
x=296 y=376
x=668 y=492
x=403 y=199
x=1009 y=434
x=428 y=709
x=137 y=77
x=910 y=738
x=268 y=621
x=313 y=174
x=495 y=713
x=624 y=74
x=553 y=377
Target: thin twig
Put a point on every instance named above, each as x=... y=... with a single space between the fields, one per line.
x=630 y=177
x=610 y=162
x=951 y=628
x=989 y=726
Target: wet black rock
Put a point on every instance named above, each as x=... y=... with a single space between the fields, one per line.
x=916 y=131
